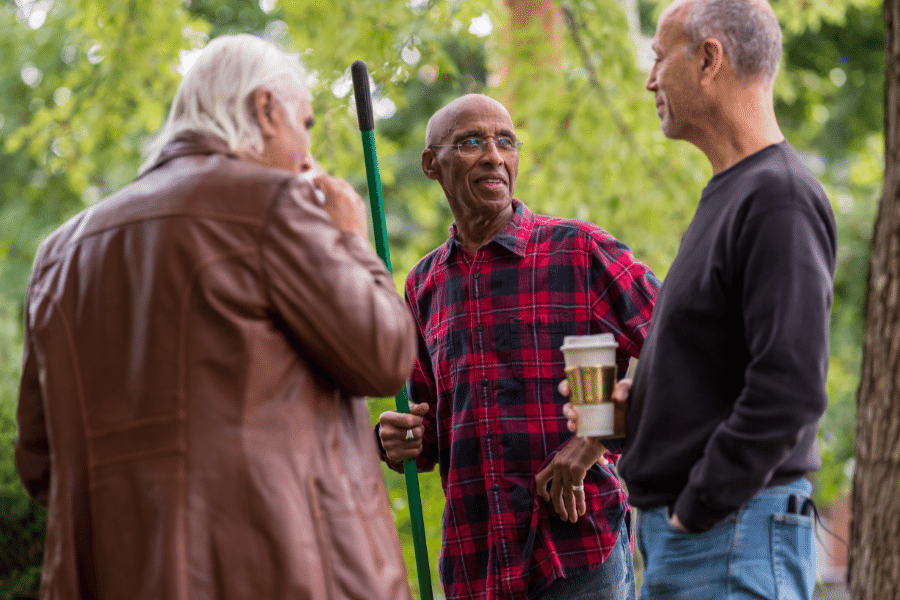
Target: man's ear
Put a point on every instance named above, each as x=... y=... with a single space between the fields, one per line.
x=264 y=110
x=429 y=163
x=712 y=58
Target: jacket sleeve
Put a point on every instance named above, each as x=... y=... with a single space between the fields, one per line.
x=32 y=447
x=420 y=388
x=334 y=297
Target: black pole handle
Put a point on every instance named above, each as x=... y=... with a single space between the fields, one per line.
x=363 y=97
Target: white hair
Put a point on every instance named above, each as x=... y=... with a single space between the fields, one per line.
x=749 y=32
x=216 y=94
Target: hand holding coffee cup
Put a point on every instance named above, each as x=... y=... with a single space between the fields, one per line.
x=620 y=395
x=591 y=372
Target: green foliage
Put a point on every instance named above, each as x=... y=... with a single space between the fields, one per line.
x=593 y=147
x=22 y=522
x=836 y=71
x=91 y=105
x=81 y=94
x=382 y=34
x=228 y=16
x=85 y=89
x=854 y=187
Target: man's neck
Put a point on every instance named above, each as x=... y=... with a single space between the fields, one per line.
x=475 y=231
x=743 y=127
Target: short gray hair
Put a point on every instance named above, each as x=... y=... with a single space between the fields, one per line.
x=749 y=32
x=216 y=94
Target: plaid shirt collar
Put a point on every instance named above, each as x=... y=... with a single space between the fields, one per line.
x=513 y=237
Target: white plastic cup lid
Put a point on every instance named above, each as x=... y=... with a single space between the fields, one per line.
x=578 y=342
x=599 y=349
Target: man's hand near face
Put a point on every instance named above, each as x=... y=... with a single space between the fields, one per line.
x=345 y=206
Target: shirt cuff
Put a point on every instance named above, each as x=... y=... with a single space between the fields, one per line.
x=614 y=445
x=696 y=514
x=381 y=451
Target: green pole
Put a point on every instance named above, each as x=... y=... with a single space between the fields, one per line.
x=367 y=128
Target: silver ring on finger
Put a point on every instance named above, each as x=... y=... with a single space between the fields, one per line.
x=409 y=435
x=578 y=488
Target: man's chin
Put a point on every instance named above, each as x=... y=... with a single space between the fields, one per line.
x=669 y=131
x=488 y=208
x=498 y=204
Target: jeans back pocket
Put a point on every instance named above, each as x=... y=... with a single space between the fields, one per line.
x=793 y=556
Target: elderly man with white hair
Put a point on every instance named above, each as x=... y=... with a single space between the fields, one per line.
x=197 y=349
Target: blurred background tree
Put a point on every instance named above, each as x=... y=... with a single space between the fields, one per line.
x=874 y=570
x=85 y=84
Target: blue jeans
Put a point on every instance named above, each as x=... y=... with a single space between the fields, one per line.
x=612 y=580
x=759 y=552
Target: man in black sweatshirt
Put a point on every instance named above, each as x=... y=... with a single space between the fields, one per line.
x=725 y=405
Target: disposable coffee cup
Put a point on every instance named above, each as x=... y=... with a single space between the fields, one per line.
x=591 y=371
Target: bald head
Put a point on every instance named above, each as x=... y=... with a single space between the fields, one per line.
x=443 y=123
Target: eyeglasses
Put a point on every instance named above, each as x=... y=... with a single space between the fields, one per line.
x=471 y=147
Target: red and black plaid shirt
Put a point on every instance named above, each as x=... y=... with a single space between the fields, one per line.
x=490 y=328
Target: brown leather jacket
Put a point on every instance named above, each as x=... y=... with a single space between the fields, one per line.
x=196 y=350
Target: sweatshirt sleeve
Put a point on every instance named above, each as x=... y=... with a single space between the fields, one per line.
x=784 y=265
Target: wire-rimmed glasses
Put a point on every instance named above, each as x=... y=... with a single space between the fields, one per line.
x=473 y=146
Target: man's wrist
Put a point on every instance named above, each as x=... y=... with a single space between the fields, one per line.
x=597 y=445
x=381 y=451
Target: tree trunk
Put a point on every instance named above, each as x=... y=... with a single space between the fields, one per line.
x=874 y=569
x=541 y=18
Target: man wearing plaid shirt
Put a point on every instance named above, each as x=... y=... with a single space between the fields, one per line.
x=531 y=511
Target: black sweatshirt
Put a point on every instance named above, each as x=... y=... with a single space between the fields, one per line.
x=731 y=382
